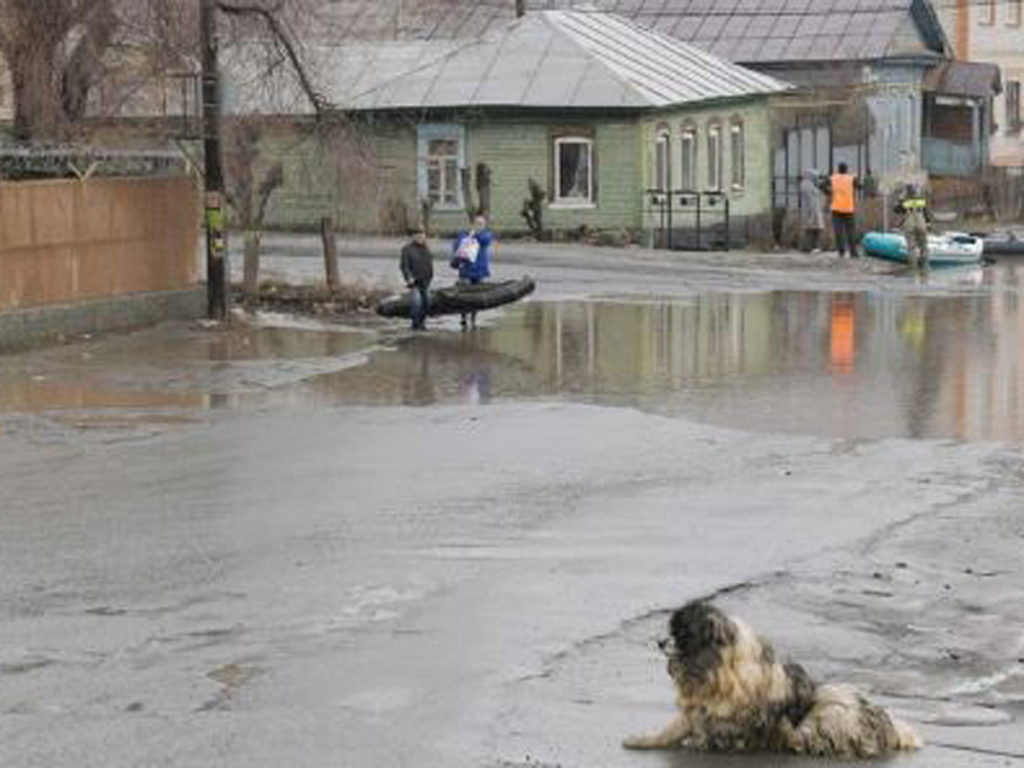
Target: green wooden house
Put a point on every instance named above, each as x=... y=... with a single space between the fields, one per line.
x=614 y=123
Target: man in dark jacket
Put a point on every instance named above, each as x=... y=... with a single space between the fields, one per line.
x=417 y=265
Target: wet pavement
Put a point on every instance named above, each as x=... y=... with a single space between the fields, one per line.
x=299 y=543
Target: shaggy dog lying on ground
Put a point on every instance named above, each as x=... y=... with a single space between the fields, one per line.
x=733 y=695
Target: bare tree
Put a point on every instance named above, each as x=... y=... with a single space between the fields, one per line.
x=249 y=192
x=71 y=61
x=53 y=50
x=59 y=53
x=265 y=31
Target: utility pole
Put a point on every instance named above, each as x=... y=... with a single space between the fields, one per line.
x=216 y=237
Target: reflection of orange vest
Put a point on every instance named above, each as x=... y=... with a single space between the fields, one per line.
x=842 y=193
x=844 y=328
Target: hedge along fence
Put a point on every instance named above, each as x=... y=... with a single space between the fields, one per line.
x=65 y=240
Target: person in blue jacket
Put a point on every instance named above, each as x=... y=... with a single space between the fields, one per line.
x=471 y=255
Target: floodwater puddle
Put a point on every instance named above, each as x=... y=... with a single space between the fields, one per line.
x=850 y=365
x=930 y=363
x=172 y=368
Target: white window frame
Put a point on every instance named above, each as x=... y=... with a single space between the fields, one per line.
x=425 y=134
x=663 y=159
x=737 y=160
x=1014 y=12
x=689 y=157
x=573 y=202
x=714 y=158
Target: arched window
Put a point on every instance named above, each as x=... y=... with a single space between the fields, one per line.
x=663 y=159
x=688 y=157
x=737 y=155
x=987 y=12
x=1014 y=12
x=714 y=157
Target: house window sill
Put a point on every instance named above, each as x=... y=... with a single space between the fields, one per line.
x=570 y=205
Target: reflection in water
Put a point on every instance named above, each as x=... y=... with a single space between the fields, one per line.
x=847 y=365
x=168 y=367
x=418 y=389
x=866 y=365
x=844 y=333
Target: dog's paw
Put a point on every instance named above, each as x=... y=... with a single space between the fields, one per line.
x=638 y=742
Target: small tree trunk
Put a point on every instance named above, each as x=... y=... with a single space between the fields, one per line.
x=466 y=179
x=330 y=252
x=35 y=91
x=483 y=188
x=426 y=208
x=251 y=268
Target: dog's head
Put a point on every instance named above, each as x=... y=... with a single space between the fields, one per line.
x=698 y=634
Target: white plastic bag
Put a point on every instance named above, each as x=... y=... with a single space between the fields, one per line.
x=468 y=249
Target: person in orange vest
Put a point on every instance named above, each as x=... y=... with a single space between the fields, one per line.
x=844 y=187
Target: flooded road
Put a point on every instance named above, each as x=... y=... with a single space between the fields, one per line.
x=838 y=365
x=297 y=543
x=871 y=364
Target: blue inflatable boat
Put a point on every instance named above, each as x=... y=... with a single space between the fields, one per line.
x=948 y=249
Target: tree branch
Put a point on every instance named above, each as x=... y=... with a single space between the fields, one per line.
x=269 y=15
x=85 y=64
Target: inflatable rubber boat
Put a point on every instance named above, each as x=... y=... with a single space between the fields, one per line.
x=1007 y=243
x=947 y=249
x=457 y=299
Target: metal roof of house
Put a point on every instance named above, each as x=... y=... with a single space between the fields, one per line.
x=258 y=81
x=770 y=31
x=745 y=31
x=963 y=78
x=567 y=59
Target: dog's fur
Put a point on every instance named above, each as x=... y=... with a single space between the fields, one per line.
x=733 y=695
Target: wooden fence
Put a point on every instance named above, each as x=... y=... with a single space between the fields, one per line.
x=65 y=241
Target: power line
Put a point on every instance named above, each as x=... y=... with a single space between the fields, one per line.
x=611 y=6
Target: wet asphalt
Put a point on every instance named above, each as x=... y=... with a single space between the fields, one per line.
x=294 y=542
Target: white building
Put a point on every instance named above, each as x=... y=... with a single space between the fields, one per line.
x=992 y=31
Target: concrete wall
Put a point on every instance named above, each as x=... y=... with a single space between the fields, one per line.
x=55 y=323
x=67 y=241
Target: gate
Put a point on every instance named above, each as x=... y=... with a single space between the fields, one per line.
x=810 y=144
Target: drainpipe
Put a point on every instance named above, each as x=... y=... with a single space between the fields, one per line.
x=963 y=27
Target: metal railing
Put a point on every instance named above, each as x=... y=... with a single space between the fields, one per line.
x=45 y=161
x=688 y=219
